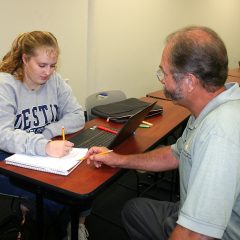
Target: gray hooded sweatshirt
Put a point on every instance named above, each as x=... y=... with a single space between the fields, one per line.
x=29 y=119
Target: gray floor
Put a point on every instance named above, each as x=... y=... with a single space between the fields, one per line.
x=105 y=220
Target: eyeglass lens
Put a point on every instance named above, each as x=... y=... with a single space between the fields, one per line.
x=160 y=74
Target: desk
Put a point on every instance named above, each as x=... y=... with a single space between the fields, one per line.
x=158 y=95
x=233 y=79
x=86 y=181
x=234 y=72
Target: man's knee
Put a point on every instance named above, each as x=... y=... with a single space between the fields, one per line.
x=132 y=209
x=128 y=208
x=170 y=223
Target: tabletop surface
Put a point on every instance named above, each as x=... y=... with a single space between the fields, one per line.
x=234 y=72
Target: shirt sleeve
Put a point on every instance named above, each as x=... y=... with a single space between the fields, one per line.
x=213 y=185
x=71 y=114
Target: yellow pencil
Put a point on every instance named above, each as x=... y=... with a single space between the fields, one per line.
x=101 y=153
x=148 y=123
x=63 y=133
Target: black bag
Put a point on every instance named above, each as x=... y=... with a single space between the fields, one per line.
x=15 y=226
x=121 y=111
x=11 y=218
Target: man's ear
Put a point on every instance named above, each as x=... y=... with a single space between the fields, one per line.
x=192 y=82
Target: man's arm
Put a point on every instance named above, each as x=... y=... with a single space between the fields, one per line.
x=160 y=159
x=180 y=233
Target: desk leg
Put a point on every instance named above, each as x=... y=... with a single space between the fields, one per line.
x=39 y=213
x=74 y=222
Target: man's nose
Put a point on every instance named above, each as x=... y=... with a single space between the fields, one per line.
x=162 y=81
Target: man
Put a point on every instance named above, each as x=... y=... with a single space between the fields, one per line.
x=193 y=70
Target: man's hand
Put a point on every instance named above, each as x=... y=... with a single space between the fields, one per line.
x=58 y=148
x=109 y=159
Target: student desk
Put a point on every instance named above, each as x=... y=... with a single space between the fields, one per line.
x=234 y=72
x=231 y=78
x=158 y=95
x=86 y=181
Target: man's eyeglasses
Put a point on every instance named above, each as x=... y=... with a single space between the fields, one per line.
x=160 y=74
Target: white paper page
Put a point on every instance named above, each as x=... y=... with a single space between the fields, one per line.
x=63 y=164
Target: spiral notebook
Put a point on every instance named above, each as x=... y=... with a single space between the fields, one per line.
x=61 y=166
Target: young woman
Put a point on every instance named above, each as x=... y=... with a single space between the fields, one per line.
x=35 y=102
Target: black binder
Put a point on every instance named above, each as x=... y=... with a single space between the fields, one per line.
x=121 y=111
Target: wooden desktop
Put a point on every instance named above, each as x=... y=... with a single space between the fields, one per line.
x=158 y=95
x=234 y=72
x=233 y=79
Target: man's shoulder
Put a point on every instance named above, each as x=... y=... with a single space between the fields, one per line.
x=227 y=111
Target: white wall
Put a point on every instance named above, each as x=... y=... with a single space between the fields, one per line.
x=116 y=44
x=126 y=37
x=67 y=20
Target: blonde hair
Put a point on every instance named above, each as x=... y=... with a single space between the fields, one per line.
x=27 y=43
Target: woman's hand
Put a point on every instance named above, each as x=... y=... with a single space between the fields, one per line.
x=58 y=148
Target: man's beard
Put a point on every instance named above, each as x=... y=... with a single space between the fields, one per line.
x=174 y=95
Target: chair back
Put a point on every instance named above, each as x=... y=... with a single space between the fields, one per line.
x=101 y=98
